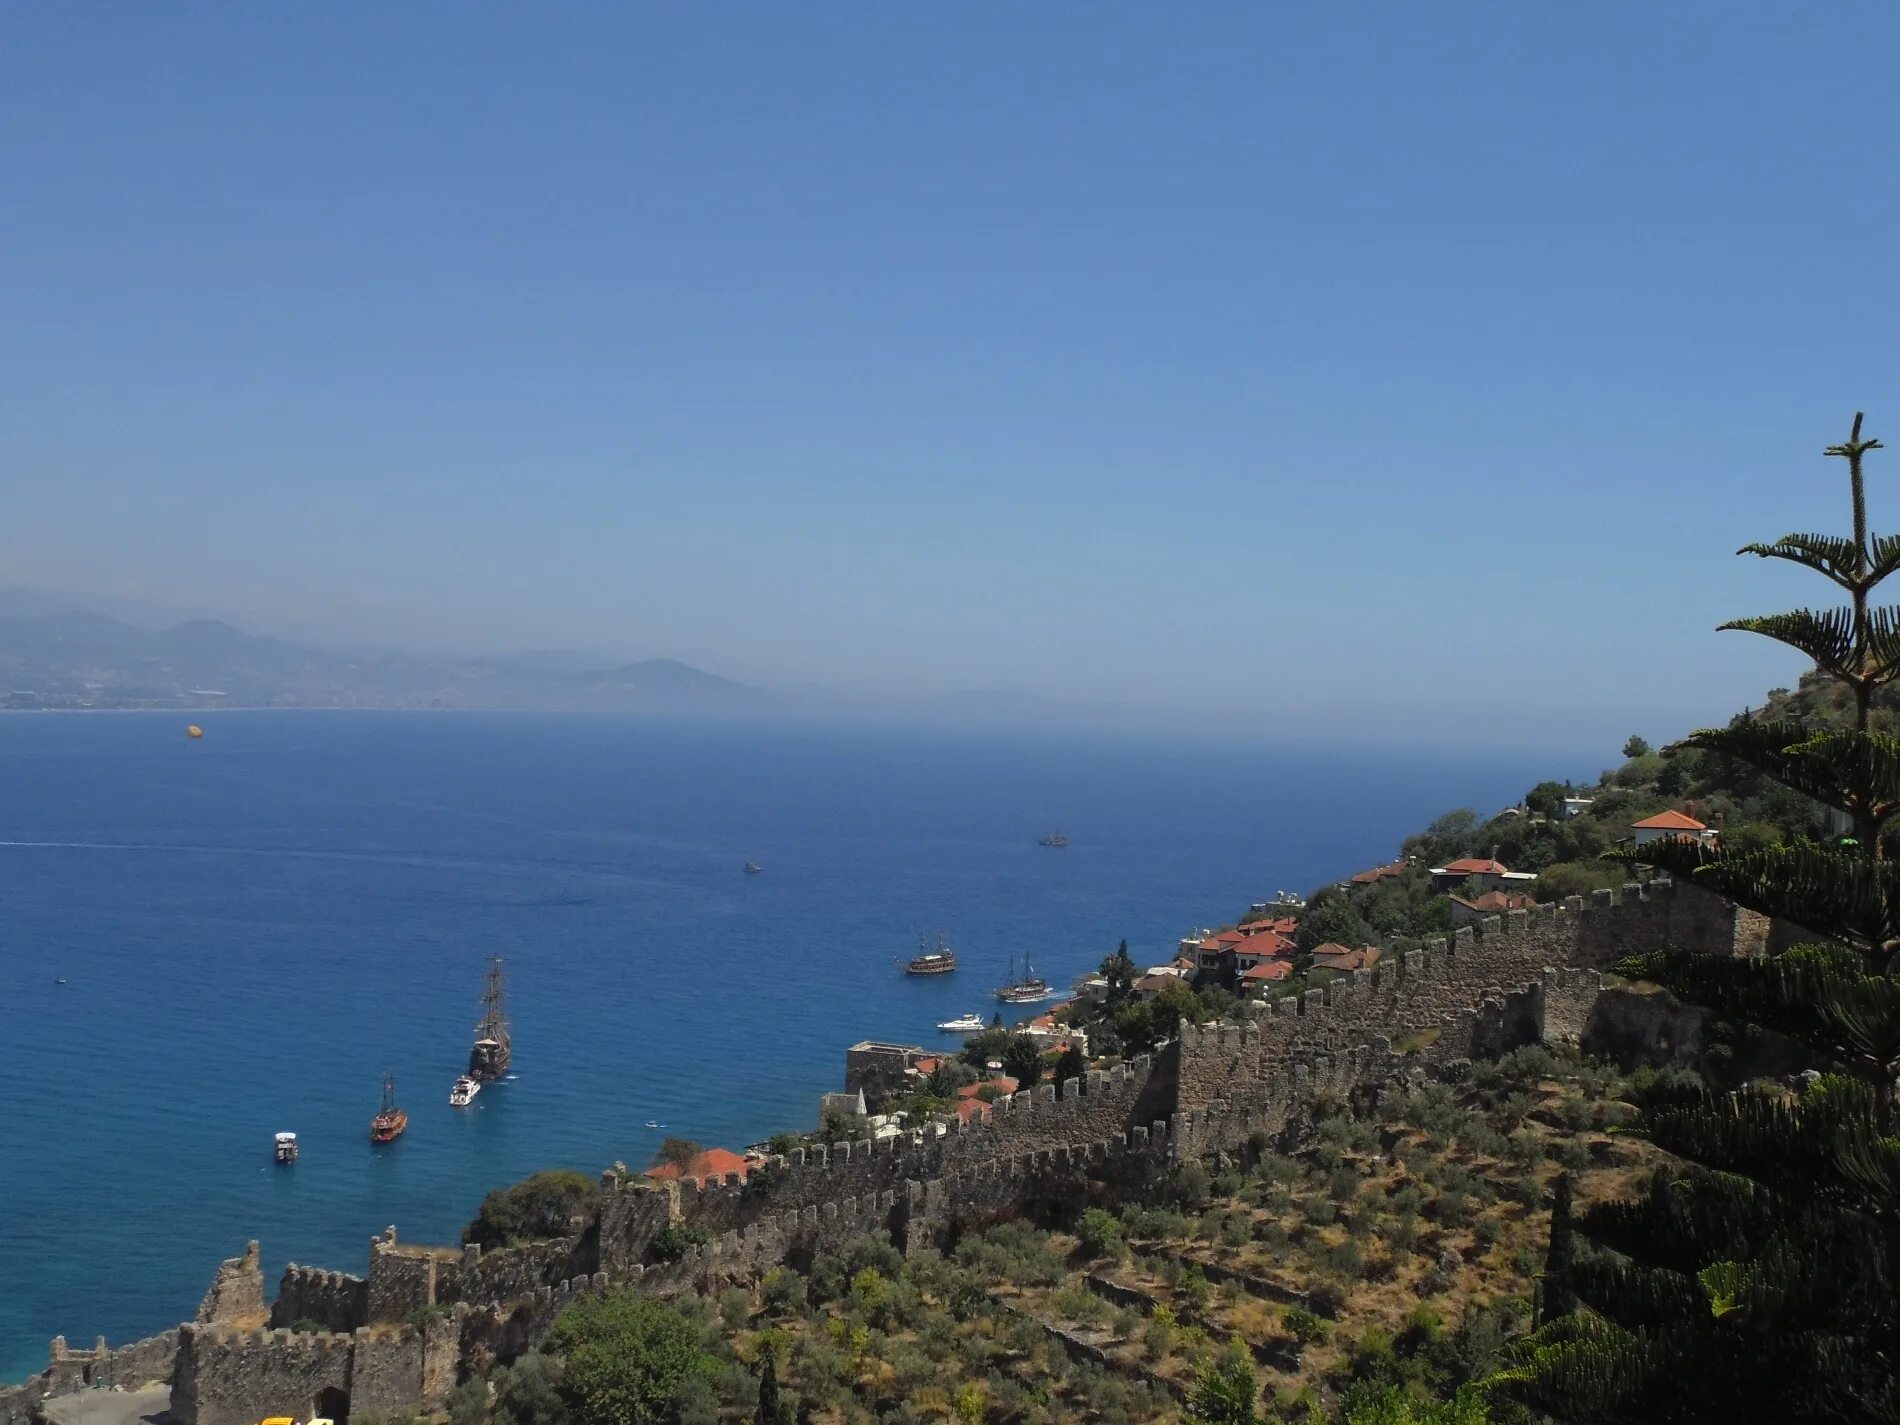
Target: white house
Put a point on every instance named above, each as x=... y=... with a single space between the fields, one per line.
x=1574 y=806
x=1674 y=825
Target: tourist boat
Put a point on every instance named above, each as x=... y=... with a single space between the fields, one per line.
x=931 y=962
x=488 y=1059
x=390 y=1121
x=463 y=1094
x=752 y=868
x=1030 y=989
x=286 y=1146
x=1055 y=839
x=964 y=1024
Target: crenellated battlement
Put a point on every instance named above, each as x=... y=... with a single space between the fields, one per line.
x=335 y=1301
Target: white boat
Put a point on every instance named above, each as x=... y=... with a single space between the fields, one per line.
x=964 y=1024
x=464 y=1092
x=286 y=1147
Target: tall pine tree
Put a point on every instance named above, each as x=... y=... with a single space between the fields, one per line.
x=1758 y=1282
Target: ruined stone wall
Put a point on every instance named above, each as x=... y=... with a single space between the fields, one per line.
x=230 y=1377
x=225 y=1376
x=1081 y=1111
x=404 y=1278
x=511 y=1272
x=131 y=1367
x=336 y=1301
x=1666 y=915
x=1417 y=988
x=237 y=1291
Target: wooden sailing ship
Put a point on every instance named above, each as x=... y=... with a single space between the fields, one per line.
x=390 y=1122
x=489 y=1056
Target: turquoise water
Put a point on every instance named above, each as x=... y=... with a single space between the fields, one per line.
x=254 y=927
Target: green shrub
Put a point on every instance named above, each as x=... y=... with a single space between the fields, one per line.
x=468 y=1403
x=782 y=1293
x=1304 y=1326
x=1099 y=1234
x=551 y=1204
x=675 y=1242
x=529 y=1392
x=627 y=1358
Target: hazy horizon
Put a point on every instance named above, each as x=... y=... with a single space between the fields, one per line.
x=1410 y=372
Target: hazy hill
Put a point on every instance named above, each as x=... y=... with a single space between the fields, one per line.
x=74 y=658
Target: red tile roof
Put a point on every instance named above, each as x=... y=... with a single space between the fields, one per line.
x=1338 y=957
x=1670 y=821
x=1378 y=873
x=1266 y=972
x=1495 y=902
x=1286 y=925
x=1476 y=866
x=713 y=1163
x=1275 y=945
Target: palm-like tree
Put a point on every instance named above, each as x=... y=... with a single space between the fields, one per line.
x=1762 y=1279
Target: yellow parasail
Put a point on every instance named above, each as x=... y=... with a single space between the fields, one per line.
x=194 y=731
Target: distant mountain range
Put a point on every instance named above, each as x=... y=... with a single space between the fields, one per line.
x=54 y=657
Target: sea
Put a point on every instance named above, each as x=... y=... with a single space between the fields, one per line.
x=206 y=941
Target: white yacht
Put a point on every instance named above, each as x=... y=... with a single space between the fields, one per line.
x=964 y=1024
x=463 y=1094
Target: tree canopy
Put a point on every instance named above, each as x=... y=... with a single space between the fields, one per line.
x=626 y=1358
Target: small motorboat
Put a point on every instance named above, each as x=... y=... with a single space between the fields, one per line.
x=286 y=1146
x=60 y=981
x=463 y=1094
x=655 y=1123
x=752 y=868
x=964 y=1024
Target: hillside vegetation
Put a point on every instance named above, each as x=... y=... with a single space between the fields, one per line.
x=1374 y=1277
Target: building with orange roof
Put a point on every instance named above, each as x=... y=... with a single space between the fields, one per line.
x=1344 y=958
x=710 y=1165
x=1258 y=949
x=1267 y=972
x=1465 y=910
x=1674 y=826
x=1377 y=874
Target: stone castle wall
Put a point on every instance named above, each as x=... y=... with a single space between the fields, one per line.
x=132 y=1367
x=336 y=1301
x=225 y=1376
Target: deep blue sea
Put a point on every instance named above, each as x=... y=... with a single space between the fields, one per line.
x=255 y=926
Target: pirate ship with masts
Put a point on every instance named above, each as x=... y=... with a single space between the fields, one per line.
x=488 y=1057
x=390 y=1122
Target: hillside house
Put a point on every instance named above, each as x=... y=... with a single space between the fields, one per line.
x=1468 y=910
x=1674 y=826
x=1482 y=873
x=1377 y=874
x=711 y=1165
x=1157 y=978
x=1266 y=972
x=1331 y=956
x=1262 y=949
x=1574 y=806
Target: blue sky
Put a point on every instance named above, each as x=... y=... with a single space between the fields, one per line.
x=1369 y=366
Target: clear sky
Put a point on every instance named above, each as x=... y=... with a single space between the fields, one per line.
x=1366 y=365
